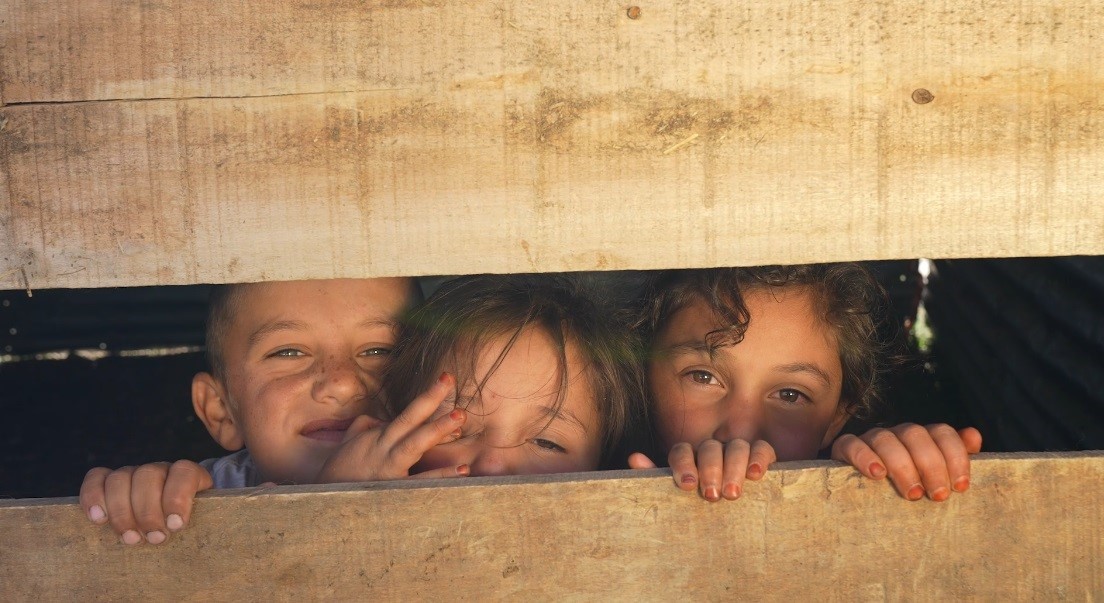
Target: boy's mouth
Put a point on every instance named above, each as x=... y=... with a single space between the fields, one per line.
x=327 y=430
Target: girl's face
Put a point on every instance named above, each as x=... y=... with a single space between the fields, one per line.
x=780 y=384
x=513 y=425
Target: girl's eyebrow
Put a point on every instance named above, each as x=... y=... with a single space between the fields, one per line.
x=807 y=368
x=686 y=347
x=566 y=415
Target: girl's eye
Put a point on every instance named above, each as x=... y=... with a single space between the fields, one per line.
x=286 y=353
x=549 y=445
x=376 y=352
x=702 y=377
x=791 y=396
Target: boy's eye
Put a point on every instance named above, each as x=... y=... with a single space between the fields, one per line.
x=549 y=445
x=286 y=353
x=702 y=377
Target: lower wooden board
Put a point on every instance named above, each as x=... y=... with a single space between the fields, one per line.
x=1031 y=527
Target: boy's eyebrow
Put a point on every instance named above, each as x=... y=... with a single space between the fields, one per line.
x=379 y=322
x=805 y=367
x=272 y=327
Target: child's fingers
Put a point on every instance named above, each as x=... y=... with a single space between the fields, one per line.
x=419 y=410
x=898 y=462
x=955 y=455
x=119 y=512
x=444 y=472
x=185 y=479
x=711 y=460
x=736 y=454
x=639 y=460
x=92 y=495
x=971 y=438
x=927 y=457
x=408 y=451
x=852 y=450
x=683 y=467
x=361 y=424
x=762 y=456
x=147 y=486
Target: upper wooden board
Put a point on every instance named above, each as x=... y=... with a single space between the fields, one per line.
x=1028 y=529
x=183 y=142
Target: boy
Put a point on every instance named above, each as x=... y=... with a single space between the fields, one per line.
x=293 y=364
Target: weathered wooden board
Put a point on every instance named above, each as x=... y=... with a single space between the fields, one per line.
x=1029 y=529
x=179 y=142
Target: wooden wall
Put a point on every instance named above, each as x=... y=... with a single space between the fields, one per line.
x=1028 y=529
x=208 y=141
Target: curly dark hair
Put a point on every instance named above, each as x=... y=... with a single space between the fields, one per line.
x=467 y=313
x=848 y=298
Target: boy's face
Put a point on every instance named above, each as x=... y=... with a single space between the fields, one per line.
x=513 y=428
x=780 y=384
x=302 y=359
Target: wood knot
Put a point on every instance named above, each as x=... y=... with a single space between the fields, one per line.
x=633 y=12
x=922 y=96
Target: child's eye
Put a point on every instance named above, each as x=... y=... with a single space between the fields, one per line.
x=791 y=396
x=286 y=353
x=376 y=352
x=549 y=445
x=702 y=377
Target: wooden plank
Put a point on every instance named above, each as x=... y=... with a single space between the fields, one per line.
x=1029 y=528
x=427 y=138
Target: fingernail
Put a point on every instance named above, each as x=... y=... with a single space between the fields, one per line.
x=463 y=470
x=96 y=514
x=877 y=470
x=456 y=415
x=456 y=433
x=941 y=494
x=754 y=471
x=155 y=537
x=711 y=493
x=688 y=478
x=915 y=492
x=131 y=537
x=961 y=484
x=731 y=491
x=443 y=378
x=174 y=522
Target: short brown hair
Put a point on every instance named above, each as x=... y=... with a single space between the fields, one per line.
x=466 y=313
x=221 y=304
x=848 y=298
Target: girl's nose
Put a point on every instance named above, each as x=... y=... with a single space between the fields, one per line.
x=339 y=381
x=491 y=461
x=743 y=420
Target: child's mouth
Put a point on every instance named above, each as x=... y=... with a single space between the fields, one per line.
x=327 y=430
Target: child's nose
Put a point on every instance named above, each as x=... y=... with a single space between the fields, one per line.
x=742 y=421
x=491 y=461
x=339 y=380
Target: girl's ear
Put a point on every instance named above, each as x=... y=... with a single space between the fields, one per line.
x=835 y=427
x=212 y=407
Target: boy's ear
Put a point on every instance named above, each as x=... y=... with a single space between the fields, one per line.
x=212 y=406
x=835 y=427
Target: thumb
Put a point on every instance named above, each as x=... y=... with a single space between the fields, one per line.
x=361 y=424
x=639 y=460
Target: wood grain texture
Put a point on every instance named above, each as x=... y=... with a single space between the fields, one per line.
x=173 y=142
x=1028 y=529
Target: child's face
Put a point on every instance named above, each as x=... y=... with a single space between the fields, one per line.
x=512 y=428
x=780 y=384
x=302 y=360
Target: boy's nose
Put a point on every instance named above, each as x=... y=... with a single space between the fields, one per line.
x=339 y=381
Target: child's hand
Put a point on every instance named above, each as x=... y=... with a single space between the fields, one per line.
x=374 y=451
x=932 y=459
x=146 y=502
x=720 y=467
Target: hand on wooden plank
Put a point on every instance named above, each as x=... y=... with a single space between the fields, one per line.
x=143 y=503
x=373 y=451
x=932 y=459
x=717 y=469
